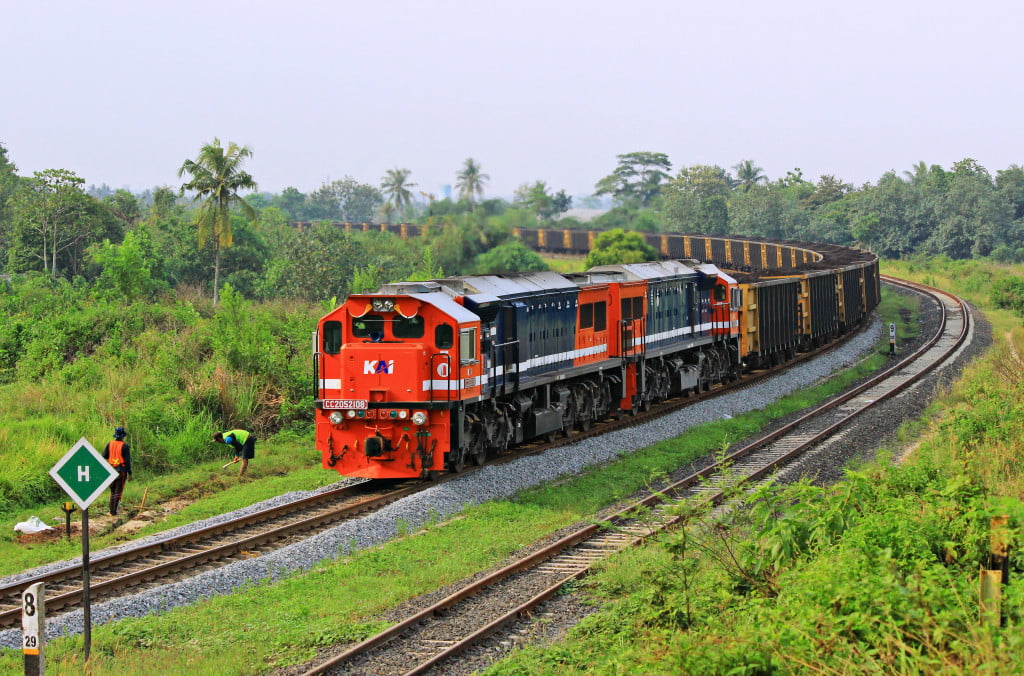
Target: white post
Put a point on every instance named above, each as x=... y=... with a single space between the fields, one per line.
x=33 y=628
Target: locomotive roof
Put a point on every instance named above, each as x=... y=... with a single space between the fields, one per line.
x=508 y=286
x=711 y=270
x=447 y=305
x=650 y=270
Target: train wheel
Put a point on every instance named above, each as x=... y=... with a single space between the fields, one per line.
x=456 y=466
x=479 y=458
x=434 y=475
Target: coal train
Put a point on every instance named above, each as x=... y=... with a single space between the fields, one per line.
x=420 y=378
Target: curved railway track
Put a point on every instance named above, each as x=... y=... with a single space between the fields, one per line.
x=132 y=569
x=435 y=634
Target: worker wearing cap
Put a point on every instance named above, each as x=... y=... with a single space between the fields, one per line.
x=243 y=442
x=118 y=454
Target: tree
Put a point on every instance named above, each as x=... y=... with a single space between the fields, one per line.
x=544 y=205
x=1010 y=182
x=749 y=174
x=511 y=256
x=51 y=215
x=829 y=189
x=470 y=181
x=637 y=178
x=697 y=200
x=292 y=201
x=344 y=200
x=9 y=182
x=764 y=211
x=973 y=219
x=395 y=186
x=126 y=268
x=125 y=206
x=618 y=246
x=216 y=177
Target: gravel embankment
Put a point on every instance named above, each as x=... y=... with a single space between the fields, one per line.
x=450 y=498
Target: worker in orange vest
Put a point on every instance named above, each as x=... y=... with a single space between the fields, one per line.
x=118 y=454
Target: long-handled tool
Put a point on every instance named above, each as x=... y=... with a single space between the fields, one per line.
x=229 y=463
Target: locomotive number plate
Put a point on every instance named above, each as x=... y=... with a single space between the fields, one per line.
x=344 y=403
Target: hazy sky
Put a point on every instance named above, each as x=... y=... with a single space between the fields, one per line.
x=122 y=92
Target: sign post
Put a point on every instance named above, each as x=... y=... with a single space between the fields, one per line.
x=33 y=629
x=892 y=338
x=84 y=475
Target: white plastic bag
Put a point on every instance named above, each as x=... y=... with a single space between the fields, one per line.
x=33 y=525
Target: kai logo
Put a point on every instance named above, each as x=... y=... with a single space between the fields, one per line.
x=381 y=366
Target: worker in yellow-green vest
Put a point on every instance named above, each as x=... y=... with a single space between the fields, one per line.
x=244 y=443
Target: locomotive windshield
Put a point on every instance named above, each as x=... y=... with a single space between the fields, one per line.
x=411 y=327
x=368 y=326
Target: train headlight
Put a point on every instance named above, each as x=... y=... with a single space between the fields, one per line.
x=402 y=415
x=419 y=418
x=350 y=414
x=336 y=417
x=383 y=304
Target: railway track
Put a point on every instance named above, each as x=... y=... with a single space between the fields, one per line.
x=438 y=633
x=133 y=569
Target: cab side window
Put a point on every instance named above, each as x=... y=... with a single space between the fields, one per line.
x=444 y=336
x=332 y=337
x=467 y=345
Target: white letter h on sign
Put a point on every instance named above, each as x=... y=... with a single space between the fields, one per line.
x=83 y=473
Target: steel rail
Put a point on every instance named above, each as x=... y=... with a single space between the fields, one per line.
x=657 y=501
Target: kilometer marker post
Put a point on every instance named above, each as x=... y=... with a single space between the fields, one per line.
x=33 y=629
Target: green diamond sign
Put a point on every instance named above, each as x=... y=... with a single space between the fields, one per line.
x=83 y=473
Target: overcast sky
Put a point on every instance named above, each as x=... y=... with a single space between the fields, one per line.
x=122 y=92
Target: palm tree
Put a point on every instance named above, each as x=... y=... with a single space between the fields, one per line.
x=216 y=179
x=919 y=173
x=394 y=185
x=471 y=181
x=749 y=174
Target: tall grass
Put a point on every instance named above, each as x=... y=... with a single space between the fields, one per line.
x=75 y=365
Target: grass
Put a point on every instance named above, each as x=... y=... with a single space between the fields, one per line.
x=273 y=625
x=892 y=590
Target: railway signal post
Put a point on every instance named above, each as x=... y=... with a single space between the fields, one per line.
x=892 y=338
x=84 y=475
